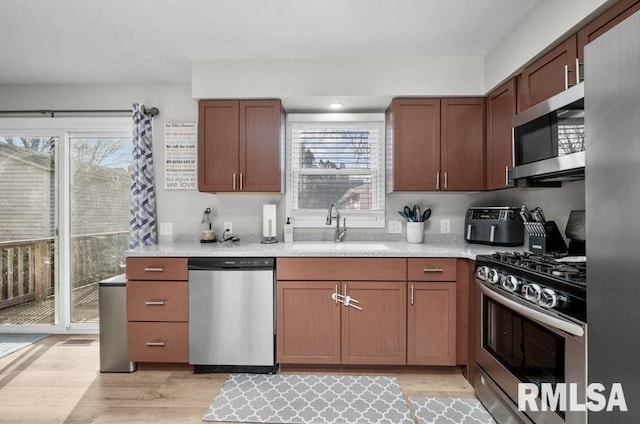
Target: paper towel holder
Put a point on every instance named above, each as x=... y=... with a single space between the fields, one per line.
x=269 y=230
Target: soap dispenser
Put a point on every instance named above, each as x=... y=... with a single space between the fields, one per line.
x=288 y=231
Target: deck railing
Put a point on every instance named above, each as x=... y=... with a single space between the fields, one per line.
x=28 y=270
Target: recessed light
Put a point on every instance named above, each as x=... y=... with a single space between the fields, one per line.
x=336 y=105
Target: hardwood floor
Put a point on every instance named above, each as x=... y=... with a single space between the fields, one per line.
x=53 y=382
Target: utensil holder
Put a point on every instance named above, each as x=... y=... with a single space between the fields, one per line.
x=415 y=232
x=545 y=238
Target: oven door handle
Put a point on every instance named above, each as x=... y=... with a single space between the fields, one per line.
x=558 y=323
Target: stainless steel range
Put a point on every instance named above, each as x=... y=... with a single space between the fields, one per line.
x=531 y=329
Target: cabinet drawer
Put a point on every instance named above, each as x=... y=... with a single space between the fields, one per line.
x=158 y=341
x=157 y=301
x=340 y=269
x=159 y=268
x=432 y=269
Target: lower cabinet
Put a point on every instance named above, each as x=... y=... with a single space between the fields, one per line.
x=308 y=323
x=387 y=322
x=431 y=323
x=313 y=328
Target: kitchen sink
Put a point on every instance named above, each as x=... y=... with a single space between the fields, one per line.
x=339 y=246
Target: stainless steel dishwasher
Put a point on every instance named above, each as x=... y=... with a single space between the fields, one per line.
x=231 y=315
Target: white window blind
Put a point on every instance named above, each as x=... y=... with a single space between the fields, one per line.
x=336 y=161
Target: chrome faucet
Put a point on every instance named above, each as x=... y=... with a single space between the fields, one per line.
x=340 y=232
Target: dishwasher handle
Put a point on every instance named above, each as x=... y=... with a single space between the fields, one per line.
x=230 y=264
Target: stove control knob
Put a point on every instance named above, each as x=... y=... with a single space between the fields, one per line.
x=531 y=292
x=493 y=276
x=511 y=283
x=482 y=273
x=548 y=298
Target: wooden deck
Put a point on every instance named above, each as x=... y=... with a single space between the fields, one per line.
x=85 y=308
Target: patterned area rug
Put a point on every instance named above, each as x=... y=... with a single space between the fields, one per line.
x=449 y=411
x=305 y=399
x=10 y=342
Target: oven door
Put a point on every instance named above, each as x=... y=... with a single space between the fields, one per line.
x=517 y=342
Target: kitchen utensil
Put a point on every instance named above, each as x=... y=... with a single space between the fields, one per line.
x=525 y=214
x=426 y=214
x=409 y=213
x=417 y=216
x=404 y=215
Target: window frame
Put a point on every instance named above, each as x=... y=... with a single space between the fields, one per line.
x=316 y=218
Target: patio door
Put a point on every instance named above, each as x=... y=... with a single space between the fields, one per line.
x=64 y=226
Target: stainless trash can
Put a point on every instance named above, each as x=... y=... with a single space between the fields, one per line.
x=112 y=301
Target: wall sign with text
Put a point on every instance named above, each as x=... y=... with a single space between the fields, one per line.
x=180 y=156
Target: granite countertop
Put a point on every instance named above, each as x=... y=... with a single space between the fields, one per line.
x=449 y=249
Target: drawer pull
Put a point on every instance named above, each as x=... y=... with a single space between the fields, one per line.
x=433 y=270
x=156 y=343
x=154 y=303
x=154 y=269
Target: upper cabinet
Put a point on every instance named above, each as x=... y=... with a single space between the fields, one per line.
x=551 y=74
x=435 y=144
x=603 y=23
x=462 y=153
x=240 y=146
x=501 y=107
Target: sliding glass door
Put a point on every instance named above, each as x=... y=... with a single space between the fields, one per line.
x=28 y=222
x=64 y=216
x=100 y=182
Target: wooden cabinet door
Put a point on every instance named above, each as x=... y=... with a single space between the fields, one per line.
x=603 y=23
x=308 y=323
x=261 y=155
x=376 y=334
x=462 y=157
x=501 y=107
x=550 y=74
x=415 y=144
x=431 y=326
x=218 y=150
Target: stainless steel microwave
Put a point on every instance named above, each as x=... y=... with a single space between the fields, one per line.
x=548 y=139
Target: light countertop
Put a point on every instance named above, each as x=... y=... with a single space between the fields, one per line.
x=449 y=249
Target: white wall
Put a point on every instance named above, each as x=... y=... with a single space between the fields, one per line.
x=304 y=83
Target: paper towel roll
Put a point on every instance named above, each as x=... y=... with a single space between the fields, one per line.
x=269 y=221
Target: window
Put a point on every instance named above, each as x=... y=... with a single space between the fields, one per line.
x=336 y=158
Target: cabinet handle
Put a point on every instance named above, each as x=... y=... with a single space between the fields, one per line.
x=411 y=294
x=446 y=179
x=241 y=185
x=438 y=180
x=154 y=269
x=154 y=303
x=156 y=343
x=566 y=76
x=433 y=270
x=335 y=294
x=506 y=175
x=234 y=181
x=577 y=71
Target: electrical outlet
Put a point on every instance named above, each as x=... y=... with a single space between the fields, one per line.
x=166 y=229
x=445 y=226
x=395 y=227
x=228 y=226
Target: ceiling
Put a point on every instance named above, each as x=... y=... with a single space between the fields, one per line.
x=124 y=41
